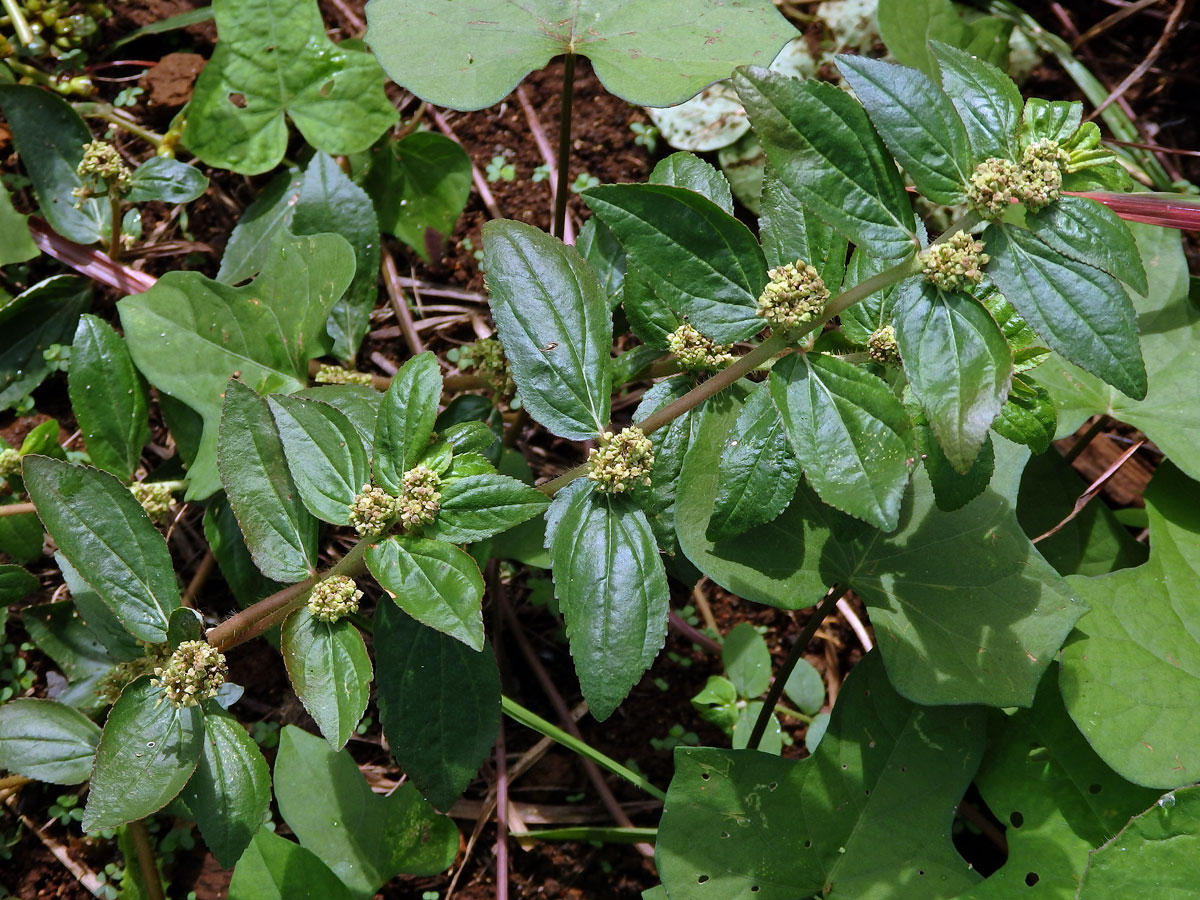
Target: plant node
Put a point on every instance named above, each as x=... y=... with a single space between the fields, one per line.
x=697 y=351
x=155 y=498
x=372 y=511
x=195 y=672
x=486 y=355
x=882 y=346
x=339 y=375
x=623 y=461
x=420 y=498
x=103 y=172
x=10 y=462
x=333 y=598
x=794 y=296
x=956 y=263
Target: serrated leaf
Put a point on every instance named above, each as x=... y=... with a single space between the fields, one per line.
x=16 y=584
x=687 y=170
x=476 y=507
x=274 y=868
x=57 y=630
x=146 y=755
x=45 y=314
x=230 y=791
x=1129 y=678
x=166 y=179
x=439 y=702
x=1050 y=120
x=987 y=101
x=553 y=319
x=1028 y=416
x=603 y=252
x=1089 y=232
x=358 y=403
x=1082 y=312
x=325 y=455
x=471 y=56
x=823 y=148
x=698 y=258
x=958 y=363
x=228 y=545
x=907 y=26
x=849 y=432
x=106 y=535
x=611 y=588
x=789 y=231
x=330 y=671
x=108 y=397
x=280 y=534
x=867 y=816
x=649 y=316
x=47 y=741
x=918 y=123
x=405 y=420
x=189 y=335
x=273 y=57
x=875 y=310
x=951 y=489
x=364 y=837
x=436 y=583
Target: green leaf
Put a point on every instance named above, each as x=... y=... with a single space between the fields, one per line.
x=45 y=314
x=1089 y=232
x=330 y=202
x=269 y=212
x=106 y=535
x=849 y=432
x=273 y=57
x=330 y=672
x=47 y=741
x=50 y=136
x=698 y=258
x=420 y=186
x=279 y=532
x=1155 y=855
x=436 y=583
x=405 y=420
x=822 y=146
x=439 y=702
x=907 y=26
x=1053 y=120
x=325 y=455
x=1056 y=799
x=958 y=363
x=358 y=403
x=552 y=317
x=166 y=179
x=479 y=506
x=790 y=231
x=875 y=310
x=918 y=123
x=806 y=688
x=364 y=837
x=230 y=791
x=228 y=545
x=964 y=608
x=649 y=316
x=57 y=630
x=1130 y=674
x=108 y=397
x=603 y=252
x=651 y=54
x=687 y=170
x=16 y=244
x=987 y=101
x=1028 y=416
x=16 y=584
x=611 y=588
x=951 y=489
x=146 y=755
x=274 y=868
x=185 y=624
x=98 y=618
x=1082 y=312
x=189 y=335
x=758 y=471
x=867 y=816
x=746 y=660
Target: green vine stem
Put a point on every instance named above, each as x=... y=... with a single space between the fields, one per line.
x=109 y=113
x=564 y=145
x=834 y=594
x=532 y=720
x=144 y=849
x=16 y=17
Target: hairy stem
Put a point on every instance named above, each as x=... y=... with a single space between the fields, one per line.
x=114 y=241
x=146 y=861
x=17 y=509
x=564 y=145
x=98 y=109
x=16 y=17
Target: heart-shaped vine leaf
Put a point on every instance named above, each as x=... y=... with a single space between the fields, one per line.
x=274 y=868
x=47 y=741
x=330 y=672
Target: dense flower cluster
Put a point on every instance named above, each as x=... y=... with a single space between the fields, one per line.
x=333 y=598
x=794 y=296
x=993 y=187
x=10 y=462
x=420 y=497
x=882 y=346
x=155 y=498
x=697 y=351
x=337 y=375
x=486 y=356
x=1035 y=181
x=956 y=263
x=194 y=673
x=623 y=461
x=372 y=511
x=102 y=171
x=1041 y=169
x=109 y=687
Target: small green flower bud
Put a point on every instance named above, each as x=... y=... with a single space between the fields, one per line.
x=420 y=498
x=993 y=187
x=372 y=511
x=1041 y=174
x=103 y=171
x=333 y=598
x=194 y=673
x=623 y=461
x=155 y=498
x=10 y=462
x=882 y=346
x=487 y=356
x=697 y=351
x=955 y=263
x=109 y=687
x=794 y=296
x=338 y=375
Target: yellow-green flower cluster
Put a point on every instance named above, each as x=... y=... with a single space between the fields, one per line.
x=194 y=673
x=794 y=296
x=338 y=375
x=122 y=674
x=993 y=187
x=420 y=497
x=955 y=263
x=10 y=462
x=333 y=598
x=372 y=511
x=1042 y=170
x=103 y=171
x=155 y=498
x=623 y=461
x=486 y=356
x=697 y=351
x=1036 y=181
x=882 y=346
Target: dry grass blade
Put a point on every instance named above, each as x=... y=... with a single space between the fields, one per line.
x=1135 y=76
x=1093 y=489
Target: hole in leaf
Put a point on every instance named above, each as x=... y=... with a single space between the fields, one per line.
x=724 y=834
x=1031 y=879
x=920 y=871
x=1094 y=789
x=702 y=879
x=704 y=776
x=772 y=785
x=238 y=100
x=807 y=845
x=754 y=888
x=1017 y=820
